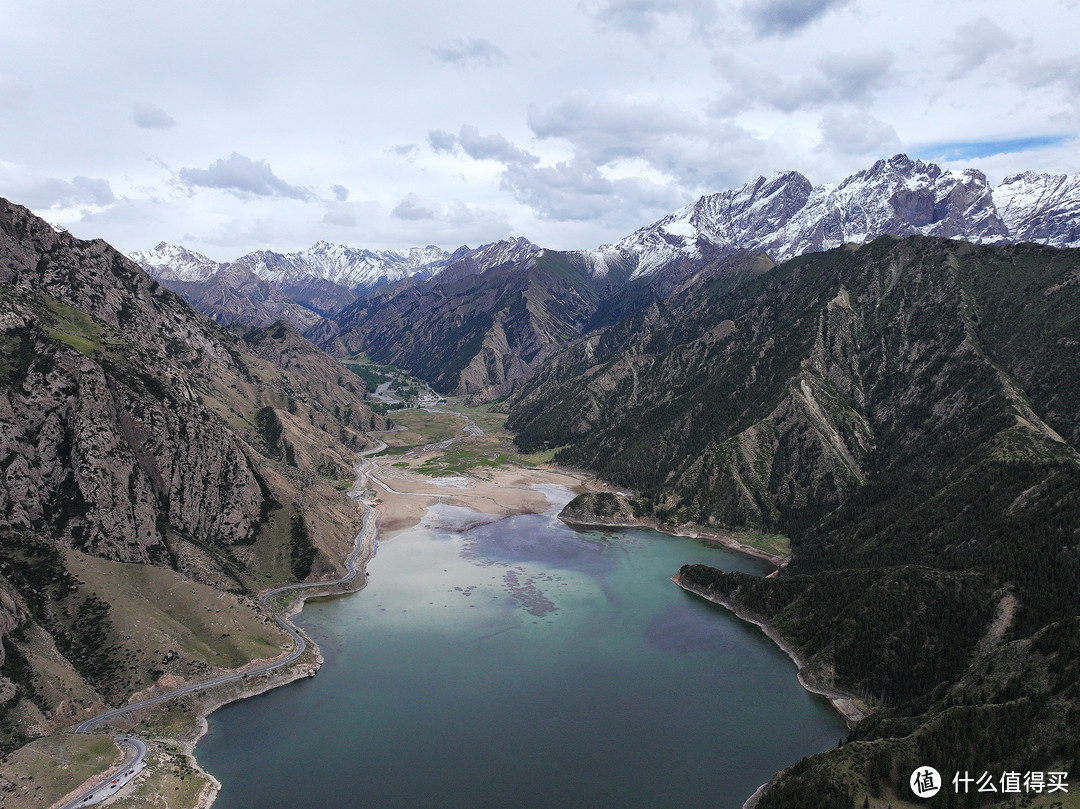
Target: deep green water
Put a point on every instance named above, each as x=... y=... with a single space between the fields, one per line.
x=523 y=664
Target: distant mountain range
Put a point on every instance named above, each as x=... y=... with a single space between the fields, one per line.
x=478 y=320
x=782 y=216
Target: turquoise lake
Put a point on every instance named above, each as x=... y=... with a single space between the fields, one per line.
x=522 y=663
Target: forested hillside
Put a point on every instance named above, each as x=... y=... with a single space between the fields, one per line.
x=905 y=411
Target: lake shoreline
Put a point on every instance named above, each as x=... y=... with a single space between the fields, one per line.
x=728 y=542
x=308 y=665
x=402 y=500
x=843 y=704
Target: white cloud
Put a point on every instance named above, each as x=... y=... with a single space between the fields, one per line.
x=413 y=207
x=856 y=133
x=1036 y=71
x=342 y=216
x=406 y=150
x=975 y=43
x=13 y=93
x=690 y=150
x=480 y=147
x=413 y=220
x=678 y=156
x=643 y=17
x=586 y=118
x=242 y=176
x=147 y=116
x=604 y=129
x=39 y=193
x=470 y=52
x=837 y=78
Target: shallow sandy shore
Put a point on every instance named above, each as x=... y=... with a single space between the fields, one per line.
x=501 y=491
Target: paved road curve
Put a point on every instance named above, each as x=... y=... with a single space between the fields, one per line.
x=363 y=545
x=134 y=763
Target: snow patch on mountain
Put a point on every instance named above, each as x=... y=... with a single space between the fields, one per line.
x=492 y=255
x=1041 y=208
x=784 y=216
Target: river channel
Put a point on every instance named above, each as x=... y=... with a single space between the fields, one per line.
x=522 y=663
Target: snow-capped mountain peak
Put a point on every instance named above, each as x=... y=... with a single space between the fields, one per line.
x=170 y=262
x=1041 y=208
x=785 y=216
x=346 y=266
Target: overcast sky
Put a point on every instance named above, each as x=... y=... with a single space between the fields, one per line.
x=233 y=126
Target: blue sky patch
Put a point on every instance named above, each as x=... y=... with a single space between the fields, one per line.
x=968 y=150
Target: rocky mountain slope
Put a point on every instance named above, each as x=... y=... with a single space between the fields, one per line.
x=263 y=287
x=1040 y=208
x=236 y=295
x=781 y=217
x=468 y=331
x=903 y=410
x=136 y=434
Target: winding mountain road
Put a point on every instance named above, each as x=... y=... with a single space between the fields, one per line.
x=363 y=545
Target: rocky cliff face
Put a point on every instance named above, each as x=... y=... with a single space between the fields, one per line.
x=134 y=430
x=1041 y=208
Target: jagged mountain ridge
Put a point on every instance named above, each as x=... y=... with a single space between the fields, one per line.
x=170 y=262
x=263 y=287
x=349 y=267
x=785 y=215
x=471 y=331
x=234 y=294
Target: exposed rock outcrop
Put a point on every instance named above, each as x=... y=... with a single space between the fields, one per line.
x=598 y=508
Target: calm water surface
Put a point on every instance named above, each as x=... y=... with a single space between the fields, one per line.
x=521 y=663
